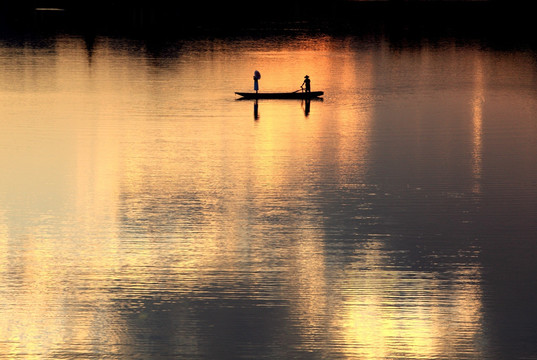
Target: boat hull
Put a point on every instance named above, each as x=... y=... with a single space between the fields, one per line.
x=286 y=95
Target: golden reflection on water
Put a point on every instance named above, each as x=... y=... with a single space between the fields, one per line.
x=401 y=314
x=153 y=191
x=477 y=120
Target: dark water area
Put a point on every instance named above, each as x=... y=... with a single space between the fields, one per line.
x=501 y=23
x=145 y=212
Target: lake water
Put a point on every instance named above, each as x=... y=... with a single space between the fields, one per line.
x=145 y=212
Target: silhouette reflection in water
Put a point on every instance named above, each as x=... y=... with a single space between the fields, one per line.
x=89 y=41
x=256 y=110
x=306 y=105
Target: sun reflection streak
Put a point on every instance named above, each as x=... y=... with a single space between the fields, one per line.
x=318 y=160
x=477 y=121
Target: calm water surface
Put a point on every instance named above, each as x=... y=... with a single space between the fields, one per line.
x=145 y=212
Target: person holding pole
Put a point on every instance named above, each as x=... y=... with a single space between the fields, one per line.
x=306 y=83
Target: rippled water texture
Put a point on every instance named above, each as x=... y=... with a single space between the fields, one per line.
x=145 y=212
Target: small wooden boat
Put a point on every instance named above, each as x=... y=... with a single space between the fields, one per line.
x=281 y=95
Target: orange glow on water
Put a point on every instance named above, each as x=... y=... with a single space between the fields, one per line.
x=138 y=186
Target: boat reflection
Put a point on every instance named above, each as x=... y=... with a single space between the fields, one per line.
x=305 y=104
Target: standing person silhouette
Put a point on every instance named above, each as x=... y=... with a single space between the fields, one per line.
x=307 y=83
x=257 y=76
